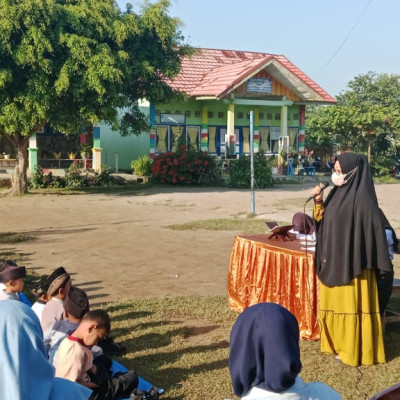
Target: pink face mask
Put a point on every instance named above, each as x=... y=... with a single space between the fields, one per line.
x=341 y=179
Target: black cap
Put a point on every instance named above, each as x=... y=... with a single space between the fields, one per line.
x=76 y=303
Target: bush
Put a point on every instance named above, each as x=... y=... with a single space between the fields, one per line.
x=40 y=180
x=239 y=172
x=142 y=166
x=104 y=177
x=76 y=177
x=73 y=178
x=186 y=166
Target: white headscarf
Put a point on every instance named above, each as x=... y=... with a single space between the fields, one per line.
x=25 y=372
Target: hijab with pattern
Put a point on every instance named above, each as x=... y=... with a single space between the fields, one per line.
x=264 y=349
x=25 y=372
x=351 y=236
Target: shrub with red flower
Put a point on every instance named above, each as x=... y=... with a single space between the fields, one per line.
x=187 y=165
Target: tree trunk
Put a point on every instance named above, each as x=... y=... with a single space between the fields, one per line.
x=20 y=179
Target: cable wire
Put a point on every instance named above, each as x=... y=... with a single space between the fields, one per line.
x=346 y=38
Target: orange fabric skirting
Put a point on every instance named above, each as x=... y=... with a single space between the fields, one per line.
x=264 y=270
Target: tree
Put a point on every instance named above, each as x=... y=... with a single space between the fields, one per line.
x=72 y=63
x=366 y=118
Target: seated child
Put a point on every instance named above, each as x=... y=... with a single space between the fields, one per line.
x=75 y=360
x=12 y=278
x=40 y=292
x=59 y=284
x=76 y=305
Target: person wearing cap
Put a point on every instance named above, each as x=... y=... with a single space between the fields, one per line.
x=39 y=290
x=12 y=277
x=76 y=305
x=59 y=283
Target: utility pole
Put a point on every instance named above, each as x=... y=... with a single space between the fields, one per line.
x=253 y=204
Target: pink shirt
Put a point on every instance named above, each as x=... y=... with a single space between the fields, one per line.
x=52 y=312
x=73 y=360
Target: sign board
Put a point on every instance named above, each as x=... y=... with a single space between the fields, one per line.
x=172 y=118
x=259 y=85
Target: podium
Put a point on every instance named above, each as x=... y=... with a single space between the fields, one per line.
x=267 y=270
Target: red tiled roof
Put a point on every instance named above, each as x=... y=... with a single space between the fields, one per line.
x=213 y=72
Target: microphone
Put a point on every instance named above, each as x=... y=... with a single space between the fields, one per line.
x=323 y=186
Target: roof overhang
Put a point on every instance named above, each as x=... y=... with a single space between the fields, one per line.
x=292 y=82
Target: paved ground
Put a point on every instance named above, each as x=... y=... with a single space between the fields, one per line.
x=119 y=246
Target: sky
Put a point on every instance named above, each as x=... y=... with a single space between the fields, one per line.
x=332 y=41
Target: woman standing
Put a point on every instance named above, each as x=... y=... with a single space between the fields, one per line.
x=351 y=252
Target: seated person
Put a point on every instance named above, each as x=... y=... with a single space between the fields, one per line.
x=264 y=360
x=25 y=371
x=385 y=278
x=76 y=305
x=75 y=360
x=12 y=278
x=39 y=290
x=59 y=283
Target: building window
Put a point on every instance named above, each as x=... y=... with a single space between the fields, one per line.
x=277 y=117
x=261 y=116
x=269 y=116
x=197 y=114
x=295 y=117
x=210 y=114
x=220 y=114
x=188 y=113
x=240 y=115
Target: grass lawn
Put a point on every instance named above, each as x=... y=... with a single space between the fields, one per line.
x=182 y=345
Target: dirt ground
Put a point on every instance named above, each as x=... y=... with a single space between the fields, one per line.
x=118 y=246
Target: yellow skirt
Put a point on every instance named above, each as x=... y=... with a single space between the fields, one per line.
x=350 y=322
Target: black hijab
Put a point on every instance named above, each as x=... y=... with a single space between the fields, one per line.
x=351 y=236
x=264 y=349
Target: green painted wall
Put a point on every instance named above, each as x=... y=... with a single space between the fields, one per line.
x=216 y=107
x=128 y=148
x=132 y=147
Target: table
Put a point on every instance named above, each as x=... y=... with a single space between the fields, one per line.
x=267 y=270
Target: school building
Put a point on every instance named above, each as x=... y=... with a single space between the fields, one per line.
x=221 y=87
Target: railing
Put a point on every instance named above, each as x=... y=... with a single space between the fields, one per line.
x=51 y=163
x=8 y=162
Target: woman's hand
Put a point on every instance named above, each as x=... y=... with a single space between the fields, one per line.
x=317 y=193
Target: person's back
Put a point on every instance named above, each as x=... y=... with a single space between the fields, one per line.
x=76 y=305
x=75 y=360
x=39 y=290
x=59 y=285
x=264 y=359
x=25 y=371
x=299 y=391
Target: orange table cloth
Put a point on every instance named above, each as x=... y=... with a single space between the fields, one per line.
x=267 y=270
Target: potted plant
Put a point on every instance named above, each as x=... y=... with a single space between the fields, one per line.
x=86 y=150
x=141 y=167
x=273 y=162
x=71 y=155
